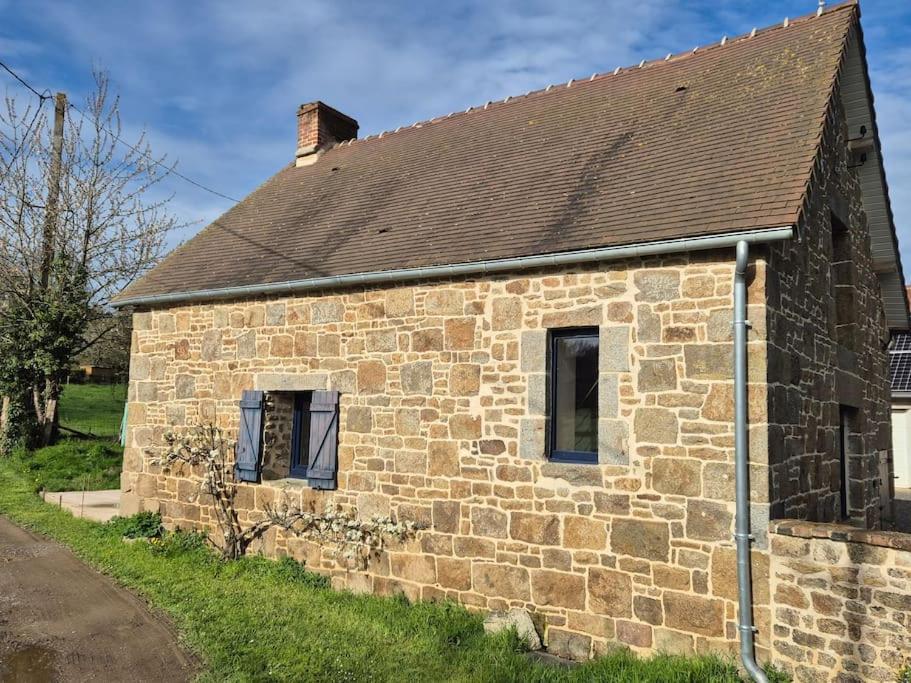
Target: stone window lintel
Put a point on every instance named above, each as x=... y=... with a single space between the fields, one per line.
x=275 y=382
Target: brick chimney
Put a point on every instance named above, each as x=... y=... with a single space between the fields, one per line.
x=319 y=126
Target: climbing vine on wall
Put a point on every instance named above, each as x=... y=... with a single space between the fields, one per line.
x=205 y=451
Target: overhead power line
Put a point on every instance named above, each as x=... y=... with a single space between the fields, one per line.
x=170 y=169
x=23 y=82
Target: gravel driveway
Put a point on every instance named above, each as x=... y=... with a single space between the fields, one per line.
x=62 y=621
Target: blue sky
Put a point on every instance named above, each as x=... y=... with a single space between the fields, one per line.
x=216 y=84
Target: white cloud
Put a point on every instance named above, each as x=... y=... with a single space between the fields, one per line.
x=16 y=47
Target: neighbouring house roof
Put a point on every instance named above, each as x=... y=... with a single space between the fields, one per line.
x=717 y=140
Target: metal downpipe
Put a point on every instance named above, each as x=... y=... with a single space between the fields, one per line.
x=742 y=535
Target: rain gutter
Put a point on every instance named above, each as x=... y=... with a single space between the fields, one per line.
x=288 y=287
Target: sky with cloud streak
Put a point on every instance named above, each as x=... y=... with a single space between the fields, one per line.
x=216 y=83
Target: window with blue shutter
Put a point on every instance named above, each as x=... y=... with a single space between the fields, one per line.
x=248 y=452
x=314 y=441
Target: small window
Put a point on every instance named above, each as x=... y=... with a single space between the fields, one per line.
x=574 y=395
x=301 y=437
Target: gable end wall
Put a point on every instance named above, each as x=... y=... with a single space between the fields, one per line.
x=812 y=372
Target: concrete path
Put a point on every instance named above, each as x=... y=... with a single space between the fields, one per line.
x=61 y=621
x=97 y=505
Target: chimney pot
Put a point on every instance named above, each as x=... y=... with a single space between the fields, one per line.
x=319 y=126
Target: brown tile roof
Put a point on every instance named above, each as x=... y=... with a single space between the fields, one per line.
x=717 y=140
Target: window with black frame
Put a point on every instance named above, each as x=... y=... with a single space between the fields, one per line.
x=574 y=395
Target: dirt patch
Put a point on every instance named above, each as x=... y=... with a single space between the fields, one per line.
x=62 y=621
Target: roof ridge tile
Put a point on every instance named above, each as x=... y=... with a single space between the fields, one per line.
x=671 y=57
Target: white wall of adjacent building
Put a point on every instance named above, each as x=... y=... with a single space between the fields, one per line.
x=901 y=443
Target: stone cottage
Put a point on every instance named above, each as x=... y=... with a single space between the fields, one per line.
x=514 y=325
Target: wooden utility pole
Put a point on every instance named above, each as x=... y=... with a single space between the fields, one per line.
x=49 y=233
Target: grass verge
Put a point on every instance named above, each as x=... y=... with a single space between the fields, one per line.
x=257 y=619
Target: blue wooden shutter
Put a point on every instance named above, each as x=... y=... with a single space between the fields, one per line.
x=323 y=461
x=249 y=437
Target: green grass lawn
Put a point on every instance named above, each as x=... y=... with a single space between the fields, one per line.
x=94 y=409
x=74 y=465
x=261 y=620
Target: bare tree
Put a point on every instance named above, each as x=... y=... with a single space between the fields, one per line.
x=106 y=230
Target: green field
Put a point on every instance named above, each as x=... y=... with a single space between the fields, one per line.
x=94 y=409
x=260 y=620
x=79 y=463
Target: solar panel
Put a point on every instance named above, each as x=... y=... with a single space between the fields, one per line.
x=900 y=371
x=901 y=343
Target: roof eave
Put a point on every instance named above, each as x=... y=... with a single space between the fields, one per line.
x=662 y=247
x=882 y=168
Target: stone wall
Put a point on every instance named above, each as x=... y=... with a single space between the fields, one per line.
x=442 y=420
x=826 y=350
x=842 y=602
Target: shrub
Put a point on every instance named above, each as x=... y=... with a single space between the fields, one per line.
x=147 y=525
x=285 y=570
x=456 y=626
x=776 y=675
x=140 y=525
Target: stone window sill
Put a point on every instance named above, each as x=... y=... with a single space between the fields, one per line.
x=579 y=474
x=288 y=482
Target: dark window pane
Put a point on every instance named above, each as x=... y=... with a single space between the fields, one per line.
x=575 y=377
x=300 y=434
